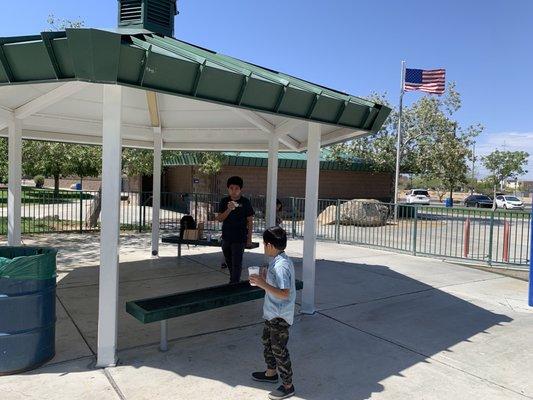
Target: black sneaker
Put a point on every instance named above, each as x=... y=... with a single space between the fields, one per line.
x=223 y=265
x=261 y=377
x=281 y=393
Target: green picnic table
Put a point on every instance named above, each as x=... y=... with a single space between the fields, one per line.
x=200 y=242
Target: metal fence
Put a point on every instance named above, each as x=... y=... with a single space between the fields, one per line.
x=501 y=237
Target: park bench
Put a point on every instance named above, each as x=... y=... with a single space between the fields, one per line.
x=162 y=308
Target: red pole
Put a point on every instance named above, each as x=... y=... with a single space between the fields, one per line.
x=506 y=240
x=466 y=238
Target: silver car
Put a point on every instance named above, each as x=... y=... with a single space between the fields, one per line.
x=509 y=202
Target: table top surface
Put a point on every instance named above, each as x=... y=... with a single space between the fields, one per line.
x=200 y=242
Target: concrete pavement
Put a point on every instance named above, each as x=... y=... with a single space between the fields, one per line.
x=388 y=326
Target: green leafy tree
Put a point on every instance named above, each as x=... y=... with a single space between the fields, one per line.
x=48 y=159
x=504 y=165
x=210 y=166
x=432 y=144
x=60 y=24
x=3 y=160
x=84 y=161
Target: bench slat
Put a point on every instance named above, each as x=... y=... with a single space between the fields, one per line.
x=190 y=302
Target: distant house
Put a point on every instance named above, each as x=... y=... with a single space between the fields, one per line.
x=337 y=179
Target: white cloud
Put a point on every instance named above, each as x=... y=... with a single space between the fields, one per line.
x=511 y=141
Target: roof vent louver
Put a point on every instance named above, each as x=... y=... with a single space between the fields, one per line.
x=156 y=16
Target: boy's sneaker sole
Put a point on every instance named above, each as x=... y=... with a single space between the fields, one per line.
x=281 y=393
x=261 y=377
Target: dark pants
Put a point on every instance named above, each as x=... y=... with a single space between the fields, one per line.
x=233 y=252
x=275 y=338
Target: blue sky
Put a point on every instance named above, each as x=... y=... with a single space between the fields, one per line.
x=357 y=46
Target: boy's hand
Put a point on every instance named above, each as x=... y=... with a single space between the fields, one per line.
x=231 y=206
x=258 y=281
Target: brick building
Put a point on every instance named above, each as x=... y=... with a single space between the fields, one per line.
x=337 y=180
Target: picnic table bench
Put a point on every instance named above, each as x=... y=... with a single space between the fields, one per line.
x=199 y=242
x=162 y=308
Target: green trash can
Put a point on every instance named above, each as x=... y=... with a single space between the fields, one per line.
x=27 y=307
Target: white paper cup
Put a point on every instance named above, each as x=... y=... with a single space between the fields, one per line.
x=253 y=271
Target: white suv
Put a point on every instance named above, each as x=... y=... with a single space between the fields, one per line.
x=418 y=196
x=509 y=202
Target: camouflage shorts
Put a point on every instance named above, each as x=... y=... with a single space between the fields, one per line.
x=275 y=338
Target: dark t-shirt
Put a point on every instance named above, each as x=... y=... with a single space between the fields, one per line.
x=234 y=226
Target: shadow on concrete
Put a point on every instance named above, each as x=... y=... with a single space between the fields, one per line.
x=372 y=324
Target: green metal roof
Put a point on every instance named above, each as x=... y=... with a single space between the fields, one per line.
x=292 y=160
x=168 y=65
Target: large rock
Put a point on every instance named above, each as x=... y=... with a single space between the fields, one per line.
x=359 y=212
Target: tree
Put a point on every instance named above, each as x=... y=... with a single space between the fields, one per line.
x=84 y=161
x=432 y=145
x=210 y=166
x=504 y=165
x=48 y=159
x=3 y=160
x=60 y=24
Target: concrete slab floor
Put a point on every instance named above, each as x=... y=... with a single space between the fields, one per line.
x=331 y=361
x=389 y=326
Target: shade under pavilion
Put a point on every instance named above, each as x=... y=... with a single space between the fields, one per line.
x=134 y=88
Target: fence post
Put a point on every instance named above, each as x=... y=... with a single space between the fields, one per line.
x=531 y=255
x=293 y=217
x=337 y=221
x=81 y=211
x=415 y=229
x=140 y=200
x=466 y=238
x=506 y=240
x=196 y=207
x=491 y=240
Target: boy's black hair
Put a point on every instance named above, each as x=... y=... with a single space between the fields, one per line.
x=235 y=180
x=276 y=236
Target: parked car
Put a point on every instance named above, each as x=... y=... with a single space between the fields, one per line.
x=418 y=196
x=478 y=200
x=509 y=202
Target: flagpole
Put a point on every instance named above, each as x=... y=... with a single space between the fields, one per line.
x=398 y=144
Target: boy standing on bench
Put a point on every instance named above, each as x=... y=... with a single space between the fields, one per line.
x=279 y=283
x=236 y=214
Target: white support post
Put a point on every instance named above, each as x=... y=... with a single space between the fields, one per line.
x=272 y=181
x=156 y=189
x=14 y=181
x=311 y=207
x=109 y=235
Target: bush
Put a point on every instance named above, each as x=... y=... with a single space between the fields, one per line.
x=39 y=181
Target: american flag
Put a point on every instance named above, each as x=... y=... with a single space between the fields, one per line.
x=426 y=80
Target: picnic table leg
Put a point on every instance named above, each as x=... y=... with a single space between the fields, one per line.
x=179 y=250
x=163 y=344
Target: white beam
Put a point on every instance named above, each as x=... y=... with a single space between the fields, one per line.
x=340 y=135
x=283 y=131
x=14 y=181
x=156 y=190
x=6 y=115
x=255 y=119
x=291 y=143
x=48 y=99
x=30 y=134
x=216 y=146
x=311 y=206
x=272 y=181
x=110 y=224
x=287 y=127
